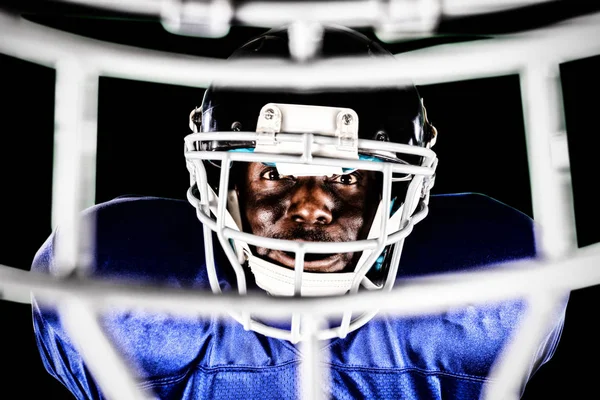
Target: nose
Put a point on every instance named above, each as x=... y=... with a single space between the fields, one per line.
x=311 y=203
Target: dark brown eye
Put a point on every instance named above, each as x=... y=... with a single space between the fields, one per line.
x=271 y=174
x=347 y=179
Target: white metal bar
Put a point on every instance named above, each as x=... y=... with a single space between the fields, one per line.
x=74 y=170
x=114 y=376
x=357 y=164
x=511 y=372
x=430 y=294
x=553 y=212
x=74 y=184
x=305 y=38
x=503 y=55
x=276 y=13
x=313 y=370
x=147 y=7
x=551 y=188
x=341 y=12
x=574 y=39
x=477 y=7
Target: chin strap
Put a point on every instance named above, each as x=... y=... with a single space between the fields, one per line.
x=280 y=281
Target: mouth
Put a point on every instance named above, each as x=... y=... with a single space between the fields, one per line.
x=327 y=262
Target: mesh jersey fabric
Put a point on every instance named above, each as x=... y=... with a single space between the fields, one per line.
x=159 y=241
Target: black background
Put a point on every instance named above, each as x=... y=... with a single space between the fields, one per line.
x=481 y=147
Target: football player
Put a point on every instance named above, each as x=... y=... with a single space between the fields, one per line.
x=302 y=192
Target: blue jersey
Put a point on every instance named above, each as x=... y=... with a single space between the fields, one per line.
x=443 y=356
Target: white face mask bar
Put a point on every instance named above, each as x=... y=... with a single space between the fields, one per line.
x=304 y=151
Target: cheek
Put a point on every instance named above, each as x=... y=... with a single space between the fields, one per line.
x=352 y=224
x=357 y=210
x=348 y=215
x=262 y=214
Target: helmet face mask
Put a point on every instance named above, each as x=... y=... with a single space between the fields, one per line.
x=311 y=192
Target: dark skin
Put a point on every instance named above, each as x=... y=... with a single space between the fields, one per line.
x=338 y=208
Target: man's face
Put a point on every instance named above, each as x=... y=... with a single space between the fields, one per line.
x=339 y=208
